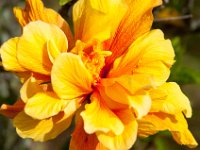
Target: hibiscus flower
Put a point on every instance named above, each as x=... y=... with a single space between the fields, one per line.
x=111 y=75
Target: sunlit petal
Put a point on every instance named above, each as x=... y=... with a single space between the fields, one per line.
x=8 y=53
x=132 y=83
x=92 y=19
x=60 y=123
x=124 y=140
x=122 y=93
x=32 y=46
x=41 y=130
x=149 y=55
x=70 y=78
x=28 y=127
x=176 y=124
x=169 y=98
x=97 y=117
x=44 y=105
x=137 y=21
x=30 y=88
x=35 y=10
x=54 y=49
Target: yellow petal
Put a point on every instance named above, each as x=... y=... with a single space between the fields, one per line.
x=44 y=105
x=97 y=117
x=150 y=55
x=101 y=147
x=41 y=130
x=70 y=78
x=35 y=10
x=124 y=140
x=140 y=101
x=60 y=123
x=54 y=50
x=32 y=46
x=30 y=88
x=81 y=140
x=169 y=98
x=137 y=21
x=176 y=124
x=28 y=127
x=11 y=111
x=185 y=138
x=111 y=104
x=132 y=83
x=92 y=19
x=9 y=56
x=141 y=104
x=72 y=106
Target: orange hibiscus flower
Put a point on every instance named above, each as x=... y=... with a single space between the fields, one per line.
x=113 y=77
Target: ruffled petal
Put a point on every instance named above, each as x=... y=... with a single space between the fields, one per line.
x=81 y=140
x=92 y=19
x=73 y=105
x=150 y=55
x=28 y=127
x=54 y=50
x=128 y=136
x=41 y=130
x=98 y=117
x=32 y=51
x=141 y=103
x=139 y=100
x=137 y=21
x=44 y=105
x=35 y=10
x=111 y=104
x=11 y=111
x=132 y=83
x=176 y=124
x=8 y=53
x=101 y=147
x=30 y=88
x=169 y=98
x=60 y=123
x=70 y=78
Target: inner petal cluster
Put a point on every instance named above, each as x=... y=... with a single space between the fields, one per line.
x=93 y=56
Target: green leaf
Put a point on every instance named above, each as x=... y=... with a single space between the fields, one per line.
x=160 y=144
x=179 y=49
x=185 y=75
x=63 y=2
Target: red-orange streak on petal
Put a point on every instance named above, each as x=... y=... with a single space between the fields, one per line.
x=131 y=27
x=101 y=147
x=34 y=10
x=44 y=78
x=11 y=111
x=81 y=140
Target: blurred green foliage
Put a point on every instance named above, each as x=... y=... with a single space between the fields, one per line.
x=63 y=2
x=185 y=37
x=180 y=72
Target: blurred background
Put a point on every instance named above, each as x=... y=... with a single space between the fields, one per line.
x=179 y=20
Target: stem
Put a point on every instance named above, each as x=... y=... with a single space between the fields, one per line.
x=173 y=18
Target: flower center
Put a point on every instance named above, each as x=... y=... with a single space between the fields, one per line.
x=93 y=56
